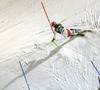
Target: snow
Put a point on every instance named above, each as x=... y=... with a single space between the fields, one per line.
x=25 y=35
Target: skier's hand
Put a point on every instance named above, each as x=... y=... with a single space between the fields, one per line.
x=53 y=40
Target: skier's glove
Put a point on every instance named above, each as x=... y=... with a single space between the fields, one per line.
x=53 y=40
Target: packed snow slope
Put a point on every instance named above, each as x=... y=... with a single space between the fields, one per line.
x=25 y=35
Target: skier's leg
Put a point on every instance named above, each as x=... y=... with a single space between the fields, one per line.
x=76 y=32
x=64 y=33
x=73 y=32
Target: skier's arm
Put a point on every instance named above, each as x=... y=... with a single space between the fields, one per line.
x=59 y=24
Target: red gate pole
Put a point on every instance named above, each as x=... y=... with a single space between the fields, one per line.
x=47 y=17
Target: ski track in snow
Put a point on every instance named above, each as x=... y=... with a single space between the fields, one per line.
x=25 y=34
x=34 y=64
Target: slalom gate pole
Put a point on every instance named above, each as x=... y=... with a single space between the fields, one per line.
x=47 y=17
x=24 y=75
x=68 y=17
x=95 y=68
x=97 y=71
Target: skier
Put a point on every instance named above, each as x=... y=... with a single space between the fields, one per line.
x=64 y=32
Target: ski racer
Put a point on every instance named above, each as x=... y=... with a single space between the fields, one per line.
x=60 y=29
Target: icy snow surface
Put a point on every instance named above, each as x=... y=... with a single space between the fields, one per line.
x=25 y=35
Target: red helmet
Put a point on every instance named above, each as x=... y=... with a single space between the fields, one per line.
x=53 y=24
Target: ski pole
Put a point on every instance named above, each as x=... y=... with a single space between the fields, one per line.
x=47 y=17
x=68 y=17
x=54 y=43
x=24 y=75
